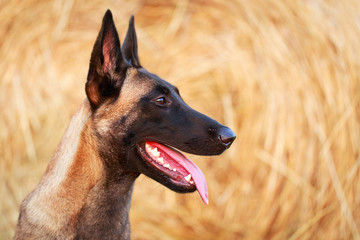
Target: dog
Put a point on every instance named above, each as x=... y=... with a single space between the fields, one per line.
x=131 y=123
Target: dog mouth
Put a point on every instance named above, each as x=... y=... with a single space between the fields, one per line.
x=175 y=166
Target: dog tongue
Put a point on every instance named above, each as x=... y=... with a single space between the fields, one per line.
x=189 y=166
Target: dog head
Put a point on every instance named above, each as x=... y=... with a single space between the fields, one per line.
x=140 y=120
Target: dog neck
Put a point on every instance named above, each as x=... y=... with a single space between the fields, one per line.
x=77 y=194
x=104 y=213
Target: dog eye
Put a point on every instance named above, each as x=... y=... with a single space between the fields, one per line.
x=161 y=101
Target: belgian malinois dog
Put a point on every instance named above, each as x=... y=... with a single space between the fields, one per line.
x=130 y=123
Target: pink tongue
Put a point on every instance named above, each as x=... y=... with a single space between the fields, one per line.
x=194 y=170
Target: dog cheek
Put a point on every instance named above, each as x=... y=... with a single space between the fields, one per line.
x=103 y=127
x=128 y=139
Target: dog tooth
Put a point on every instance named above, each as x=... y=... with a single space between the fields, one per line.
x=188 y=177
x=167 y=165
x=174 y=169
x=155 y=152
x=192 y=182
x=160 y=159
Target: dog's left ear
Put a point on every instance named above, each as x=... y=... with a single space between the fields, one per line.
x=129 y=47
x=107 y=67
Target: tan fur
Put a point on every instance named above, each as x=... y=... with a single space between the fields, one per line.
x=72 y=172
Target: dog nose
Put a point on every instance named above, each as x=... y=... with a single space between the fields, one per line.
x=226 y=136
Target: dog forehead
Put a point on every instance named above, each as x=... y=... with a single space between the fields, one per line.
x=139 y=82
x=135 y=85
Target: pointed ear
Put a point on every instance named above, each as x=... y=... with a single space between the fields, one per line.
x=129 y=47
x=107 y=67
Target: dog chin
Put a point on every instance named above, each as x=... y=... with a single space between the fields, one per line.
x=178 y=188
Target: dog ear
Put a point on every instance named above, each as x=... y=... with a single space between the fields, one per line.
x=107 y=67
x=129 y=47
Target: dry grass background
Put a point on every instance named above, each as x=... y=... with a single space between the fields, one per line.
x=285 y=75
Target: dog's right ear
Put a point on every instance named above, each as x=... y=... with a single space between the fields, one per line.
x=129 y=47
x=107 y=67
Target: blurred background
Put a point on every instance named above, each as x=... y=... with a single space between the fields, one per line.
x=284 y=75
